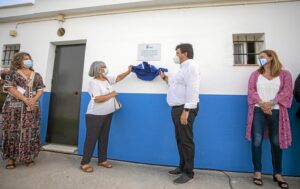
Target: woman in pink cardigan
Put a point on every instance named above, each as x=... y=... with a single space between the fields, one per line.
x=269 y=97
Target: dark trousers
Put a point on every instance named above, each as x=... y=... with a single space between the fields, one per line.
x=260 y=120
x=185 y=139
x=97 y=129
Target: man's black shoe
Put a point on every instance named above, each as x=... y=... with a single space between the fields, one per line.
x=182 y=179
x=175 y=172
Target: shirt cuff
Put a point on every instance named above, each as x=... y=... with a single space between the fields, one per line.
x=190 y=106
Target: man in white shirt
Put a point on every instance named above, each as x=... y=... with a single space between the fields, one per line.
x=183 y=97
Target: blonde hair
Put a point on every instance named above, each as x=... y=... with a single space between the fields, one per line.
x=276 y=65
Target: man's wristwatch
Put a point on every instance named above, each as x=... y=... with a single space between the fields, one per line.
x=186 y=109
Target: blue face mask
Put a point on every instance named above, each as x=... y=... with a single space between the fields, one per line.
x=27 y=63
x=105 y=71
x=262 y=61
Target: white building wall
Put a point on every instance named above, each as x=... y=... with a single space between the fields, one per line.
x=114 y=39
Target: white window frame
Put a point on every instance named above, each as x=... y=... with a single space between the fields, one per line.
x=241 y=54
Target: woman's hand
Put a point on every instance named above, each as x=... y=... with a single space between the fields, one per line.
x=113 y=94
x=266 y=107
x=103 y=98
x=26 y=101
x=32 y=102
x=130 y=68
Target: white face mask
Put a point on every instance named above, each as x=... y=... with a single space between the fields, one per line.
x=176 y=60
x=105 y=71
x=262 y=61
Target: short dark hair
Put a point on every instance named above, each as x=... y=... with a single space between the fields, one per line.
x=186 y=48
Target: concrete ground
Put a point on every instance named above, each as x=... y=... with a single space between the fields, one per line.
x=61 y=171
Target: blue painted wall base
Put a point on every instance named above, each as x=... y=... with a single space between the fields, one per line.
x=142 y=131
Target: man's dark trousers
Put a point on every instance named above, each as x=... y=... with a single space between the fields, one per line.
x=185 y=139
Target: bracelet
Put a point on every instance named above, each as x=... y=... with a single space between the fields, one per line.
x=273 y=102
x=164 y=77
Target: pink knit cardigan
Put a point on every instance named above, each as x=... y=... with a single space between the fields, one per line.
x=283 y=98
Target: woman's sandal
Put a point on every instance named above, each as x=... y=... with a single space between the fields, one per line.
x=29 y=163
x=105 y=164
x=10 y=165
x=86 y=168
x=281 y=184
x=258 y=181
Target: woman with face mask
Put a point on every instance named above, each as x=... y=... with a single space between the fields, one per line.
x=21 y=112
x=269 y=97
x=99 y=114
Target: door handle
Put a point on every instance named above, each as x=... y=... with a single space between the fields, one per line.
x=76 y=93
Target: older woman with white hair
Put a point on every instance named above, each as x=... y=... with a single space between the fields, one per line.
x=99 y=114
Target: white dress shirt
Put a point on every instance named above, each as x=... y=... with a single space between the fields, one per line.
x=99 y=88
x=183 y=87
x=267 y=89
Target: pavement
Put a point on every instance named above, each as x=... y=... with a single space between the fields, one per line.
x=61 y=171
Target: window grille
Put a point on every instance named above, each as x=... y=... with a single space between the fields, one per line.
x=246 y=48
x=8 y=54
